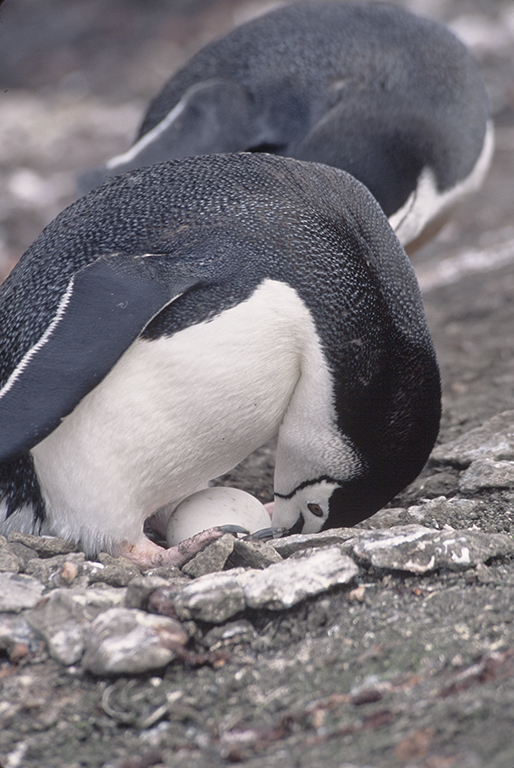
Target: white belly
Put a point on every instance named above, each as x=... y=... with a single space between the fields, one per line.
x=171 y=415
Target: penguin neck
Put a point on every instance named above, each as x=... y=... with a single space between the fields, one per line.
x=311 y=448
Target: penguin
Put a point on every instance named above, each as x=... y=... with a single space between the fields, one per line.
x=173 y=320
x=394 y=99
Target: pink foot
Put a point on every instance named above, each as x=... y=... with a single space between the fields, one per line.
x=269 y=507
x=145 y=554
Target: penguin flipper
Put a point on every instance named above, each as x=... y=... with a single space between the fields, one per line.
x=213 y=116
x=102 y=311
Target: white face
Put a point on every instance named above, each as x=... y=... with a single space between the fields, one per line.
x=312 y=502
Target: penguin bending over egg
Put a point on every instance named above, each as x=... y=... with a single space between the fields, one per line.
x=167 y=324
x=394 y=99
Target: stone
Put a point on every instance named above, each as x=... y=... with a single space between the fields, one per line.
x=61 y=622
x=241 y=631
x=253 y=554
x=140 y=588
x=18 y=592
x=418 y=549
x=299 y=541
x=213 y=598
x=212 y=558
x=9 y=561
x=16 y=630
x=127 y=641
x=49 y=569
x=23 y=553
x=282 y=585
x=116 y=571
x=487 y=473
x=493 y=440
x=45 y=546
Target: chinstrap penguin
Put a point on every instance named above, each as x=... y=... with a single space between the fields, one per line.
x=170 y=322
x=394 y=99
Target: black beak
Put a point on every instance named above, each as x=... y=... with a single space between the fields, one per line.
x=298 y=526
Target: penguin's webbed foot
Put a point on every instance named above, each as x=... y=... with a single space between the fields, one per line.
x=146 y=554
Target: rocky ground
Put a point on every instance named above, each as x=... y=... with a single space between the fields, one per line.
x=391 y=644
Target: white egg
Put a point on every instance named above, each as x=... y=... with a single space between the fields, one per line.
x=215 y=506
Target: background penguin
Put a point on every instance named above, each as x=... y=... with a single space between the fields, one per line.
x=167 y=324
x=395 y=100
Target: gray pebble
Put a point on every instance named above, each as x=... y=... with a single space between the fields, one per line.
x=124 y=641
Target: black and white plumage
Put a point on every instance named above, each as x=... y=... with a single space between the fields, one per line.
x=394 y=99
x=170 y=322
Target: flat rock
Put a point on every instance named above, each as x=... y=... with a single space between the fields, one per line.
x=18 y=592
x=493 y=440
x=300 y=541
x=125 y=641
x=436 y=513
x=487 y=473
x=45 y=546
x=418 y=549
x=212 y=558
x=213 y=598
x=282 y=585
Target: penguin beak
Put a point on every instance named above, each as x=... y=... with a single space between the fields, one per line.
x=298 y=526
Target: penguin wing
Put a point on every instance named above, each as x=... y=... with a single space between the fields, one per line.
x=104 y=308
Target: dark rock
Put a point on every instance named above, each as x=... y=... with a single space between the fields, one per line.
x=212 y=558
x=253 y=554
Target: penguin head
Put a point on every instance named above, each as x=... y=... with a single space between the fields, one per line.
x=307 y=510
x=326 y=503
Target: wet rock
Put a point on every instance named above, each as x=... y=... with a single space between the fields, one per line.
x=124 y=641
x=212 y=558
x=420 y=550
x=253 y=554
x=241 y=631
x=9 y=561
x=45 y=546
x=300 y=541
x=493 y=440
x=282 y=585
x=212 y=598
x=19 y=591
x=487 y=473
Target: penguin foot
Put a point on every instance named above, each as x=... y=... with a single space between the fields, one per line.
x=146 y=554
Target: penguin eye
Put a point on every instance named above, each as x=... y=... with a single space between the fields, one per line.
x=315 y=509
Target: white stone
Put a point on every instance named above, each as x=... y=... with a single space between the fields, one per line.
x=18 y=591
